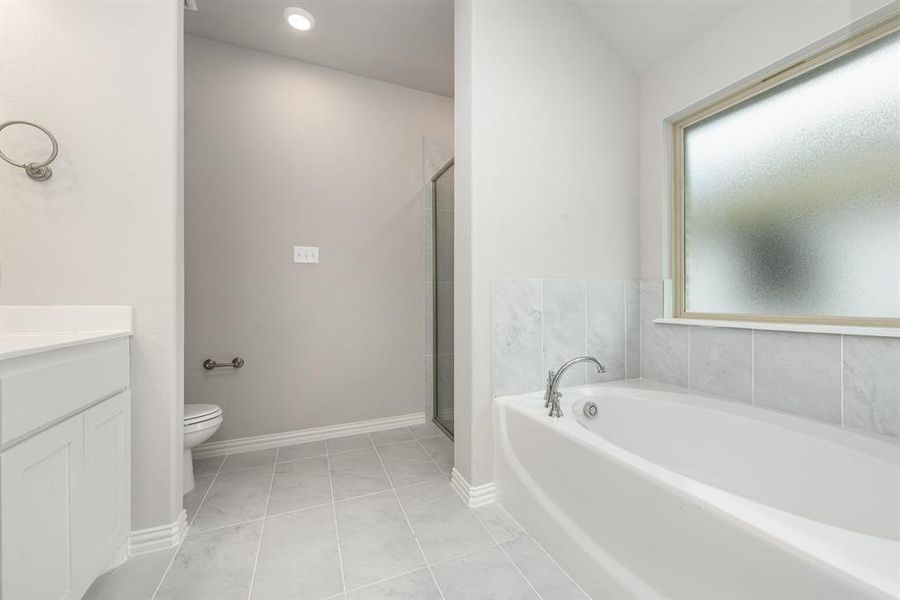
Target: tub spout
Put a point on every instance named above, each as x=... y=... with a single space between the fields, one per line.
x=552 y=394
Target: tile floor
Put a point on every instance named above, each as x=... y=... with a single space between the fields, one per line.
x=364 y=517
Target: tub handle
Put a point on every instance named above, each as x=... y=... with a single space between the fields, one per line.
x=550 y=375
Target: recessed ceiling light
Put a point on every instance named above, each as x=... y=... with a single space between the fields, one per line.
x=299 y=19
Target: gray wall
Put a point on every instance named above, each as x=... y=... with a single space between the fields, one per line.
x=282 y=153
x=104 y=77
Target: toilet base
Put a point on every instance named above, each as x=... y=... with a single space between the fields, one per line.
x=187 y=472
x=195 y=433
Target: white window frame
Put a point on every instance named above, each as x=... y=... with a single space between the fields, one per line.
x=746 y=92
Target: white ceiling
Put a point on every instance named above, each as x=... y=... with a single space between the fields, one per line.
x=408 y=42
x=644 y=32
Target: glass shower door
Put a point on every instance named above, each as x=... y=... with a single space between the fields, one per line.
x=442 y=209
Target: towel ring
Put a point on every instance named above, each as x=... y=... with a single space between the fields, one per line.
x=39 y=171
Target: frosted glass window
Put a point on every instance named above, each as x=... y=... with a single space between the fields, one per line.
x=792 y=197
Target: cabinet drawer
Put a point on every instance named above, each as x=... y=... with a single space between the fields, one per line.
x=37 y=391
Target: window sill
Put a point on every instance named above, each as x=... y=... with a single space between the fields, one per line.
x=892 y=332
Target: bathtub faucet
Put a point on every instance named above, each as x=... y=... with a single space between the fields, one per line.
x=552 y=394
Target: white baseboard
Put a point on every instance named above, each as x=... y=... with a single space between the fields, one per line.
x=474 y=496
x=161 y=537
x=313 y=434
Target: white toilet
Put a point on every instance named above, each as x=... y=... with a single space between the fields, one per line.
x=200 y=422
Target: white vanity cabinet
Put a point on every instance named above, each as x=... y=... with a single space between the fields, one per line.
x=40 y=495
x=65 y=465
x=107 y=468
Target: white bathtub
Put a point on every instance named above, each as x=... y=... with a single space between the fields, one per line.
x=665 y=495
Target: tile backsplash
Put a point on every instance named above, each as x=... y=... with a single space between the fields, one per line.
x=846 y=380
x=537 y=324
x=871 y=384
x=664 y=348
x=798 y=373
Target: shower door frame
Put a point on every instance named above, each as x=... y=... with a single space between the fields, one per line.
x=434 y=301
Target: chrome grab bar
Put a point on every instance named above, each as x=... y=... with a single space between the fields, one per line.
x=209 y=364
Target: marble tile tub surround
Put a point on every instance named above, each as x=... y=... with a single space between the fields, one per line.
x=538 y=324
x=847 y=380
x=394 y=529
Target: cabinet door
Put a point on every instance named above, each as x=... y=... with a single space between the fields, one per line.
x=107 y=469
x=40 y=491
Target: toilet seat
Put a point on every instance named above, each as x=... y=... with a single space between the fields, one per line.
x=201 y=421
x=195 y=414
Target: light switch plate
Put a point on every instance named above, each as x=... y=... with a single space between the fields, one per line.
x=306 y=254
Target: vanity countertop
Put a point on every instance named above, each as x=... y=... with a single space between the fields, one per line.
x=26 y=330
x=14 y=345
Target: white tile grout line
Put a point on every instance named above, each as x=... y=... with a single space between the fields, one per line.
x=299 y=458
x=311 y=507
x=753 y=367
x=429 y=565
x=367 y=447
x=408 y=522
x=337 y=533
x=384 y=491
x=247 y=522
x=641 y=328
x=384 y=579
x=544 y=368
x=842 y=381
x=262 y=528
x=511 y=561
x=508 y=557
x=411 y=571
x=208 y=489
x=431 y=458
x=542 y=549
x=393 y=489
x=187 y=529
x=690 y=327
x=585 y=284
